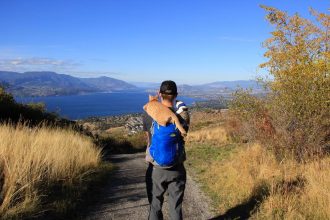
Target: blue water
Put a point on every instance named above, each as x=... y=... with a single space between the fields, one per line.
x=96 y=104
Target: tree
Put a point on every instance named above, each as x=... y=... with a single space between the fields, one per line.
x=298 y=105
x=298 y=55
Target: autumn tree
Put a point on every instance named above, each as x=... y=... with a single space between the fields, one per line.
x=298 y=59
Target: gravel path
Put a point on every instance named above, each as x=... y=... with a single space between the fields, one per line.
x=125 y=195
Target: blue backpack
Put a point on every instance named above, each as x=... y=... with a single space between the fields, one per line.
x=166 y=144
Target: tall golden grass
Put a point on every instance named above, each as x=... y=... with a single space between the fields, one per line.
x=33 y=159
x=295 y=191
x=288 y=189
x=202 y=119
x=211 y=134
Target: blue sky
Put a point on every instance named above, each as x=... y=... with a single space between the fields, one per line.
x=189 y=41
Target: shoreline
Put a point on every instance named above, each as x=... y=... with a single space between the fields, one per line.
x=82 y=107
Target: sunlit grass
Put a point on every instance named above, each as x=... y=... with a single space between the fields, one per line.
x=34 y=159
x=234 y=173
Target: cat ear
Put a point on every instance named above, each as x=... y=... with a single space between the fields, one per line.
x=150 y=97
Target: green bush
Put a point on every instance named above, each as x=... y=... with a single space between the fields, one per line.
x=31 y=114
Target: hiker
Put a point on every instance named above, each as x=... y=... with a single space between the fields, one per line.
x=170 y=177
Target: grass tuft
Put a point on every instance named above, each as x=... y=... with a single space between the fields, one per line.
x=36 y=161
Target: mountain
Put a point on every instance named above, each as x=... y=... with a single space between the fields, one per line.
x=230 y=85
x=146 y=85
x=51 y=83
x=108 y=84
x=223 y=86
x=212 y=90
x=244 y=84
x=218 y=89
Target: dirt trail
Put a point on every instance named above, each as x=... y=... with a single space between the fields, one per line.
x=125 y=196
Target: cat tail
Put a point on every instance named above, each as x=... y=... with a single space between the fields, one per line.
x=179 y=126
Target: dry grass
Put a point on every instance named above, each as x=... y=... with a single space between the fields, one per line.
x=235 y=175
x=211 y=134
x=116 y=131
x=202 y=119
x=293 y=191
x=117 y=140
x=32 y=160
x=234 y=179
x=310 y=201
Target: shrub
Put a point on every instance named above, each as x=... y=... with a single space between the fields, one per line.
x=40 y=106
x=295 y=115
x=117 y=141
x=32 y=114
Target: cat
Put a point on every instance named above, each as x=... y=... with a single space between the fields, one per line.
x=162 y=114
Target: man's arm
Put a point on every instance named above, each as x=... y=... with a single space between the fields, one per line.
x=147 y=122
x=148 y=137
x=182 y=112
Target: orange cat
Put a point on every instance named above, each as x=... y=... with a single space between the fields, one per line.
x=162 y=114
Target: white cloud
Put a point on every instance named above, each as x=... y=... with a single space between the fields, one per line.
x=71 y=67
x=37 y=63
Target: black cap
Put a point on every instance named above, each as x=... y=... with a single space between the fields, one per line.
x=168 y=87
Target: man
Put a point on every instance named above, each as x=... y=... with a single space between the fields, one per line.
x=171 y=178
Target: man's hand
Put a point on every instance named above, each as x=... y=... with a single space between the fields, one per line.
x=180 y=107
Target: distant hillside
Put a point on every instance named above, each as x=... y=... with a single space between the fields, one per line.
x=214 y=89
x=230 y=85
x=220 y=88
x=108 y=84
x=146 y=85
x=51 y=83
x=245 y=84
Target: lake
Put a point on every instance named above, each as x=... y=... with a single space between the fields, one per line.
x=96 y=104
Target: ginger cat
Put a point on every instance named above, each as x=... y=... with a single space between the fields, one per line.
x=162 y=114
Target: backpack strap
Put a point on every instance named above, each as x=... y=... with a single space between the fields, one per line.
x=152 y=128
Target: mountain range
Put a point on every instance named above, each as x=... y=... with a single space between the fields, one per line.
x=212 y=90
x=51 y=83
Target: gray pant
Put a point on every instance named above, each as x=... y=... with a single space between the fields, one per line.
x=174 y=181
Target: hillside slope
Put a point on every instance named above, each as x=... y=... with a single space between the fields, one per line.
x=106 y=84
x=247 y=180
x=47 y=164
